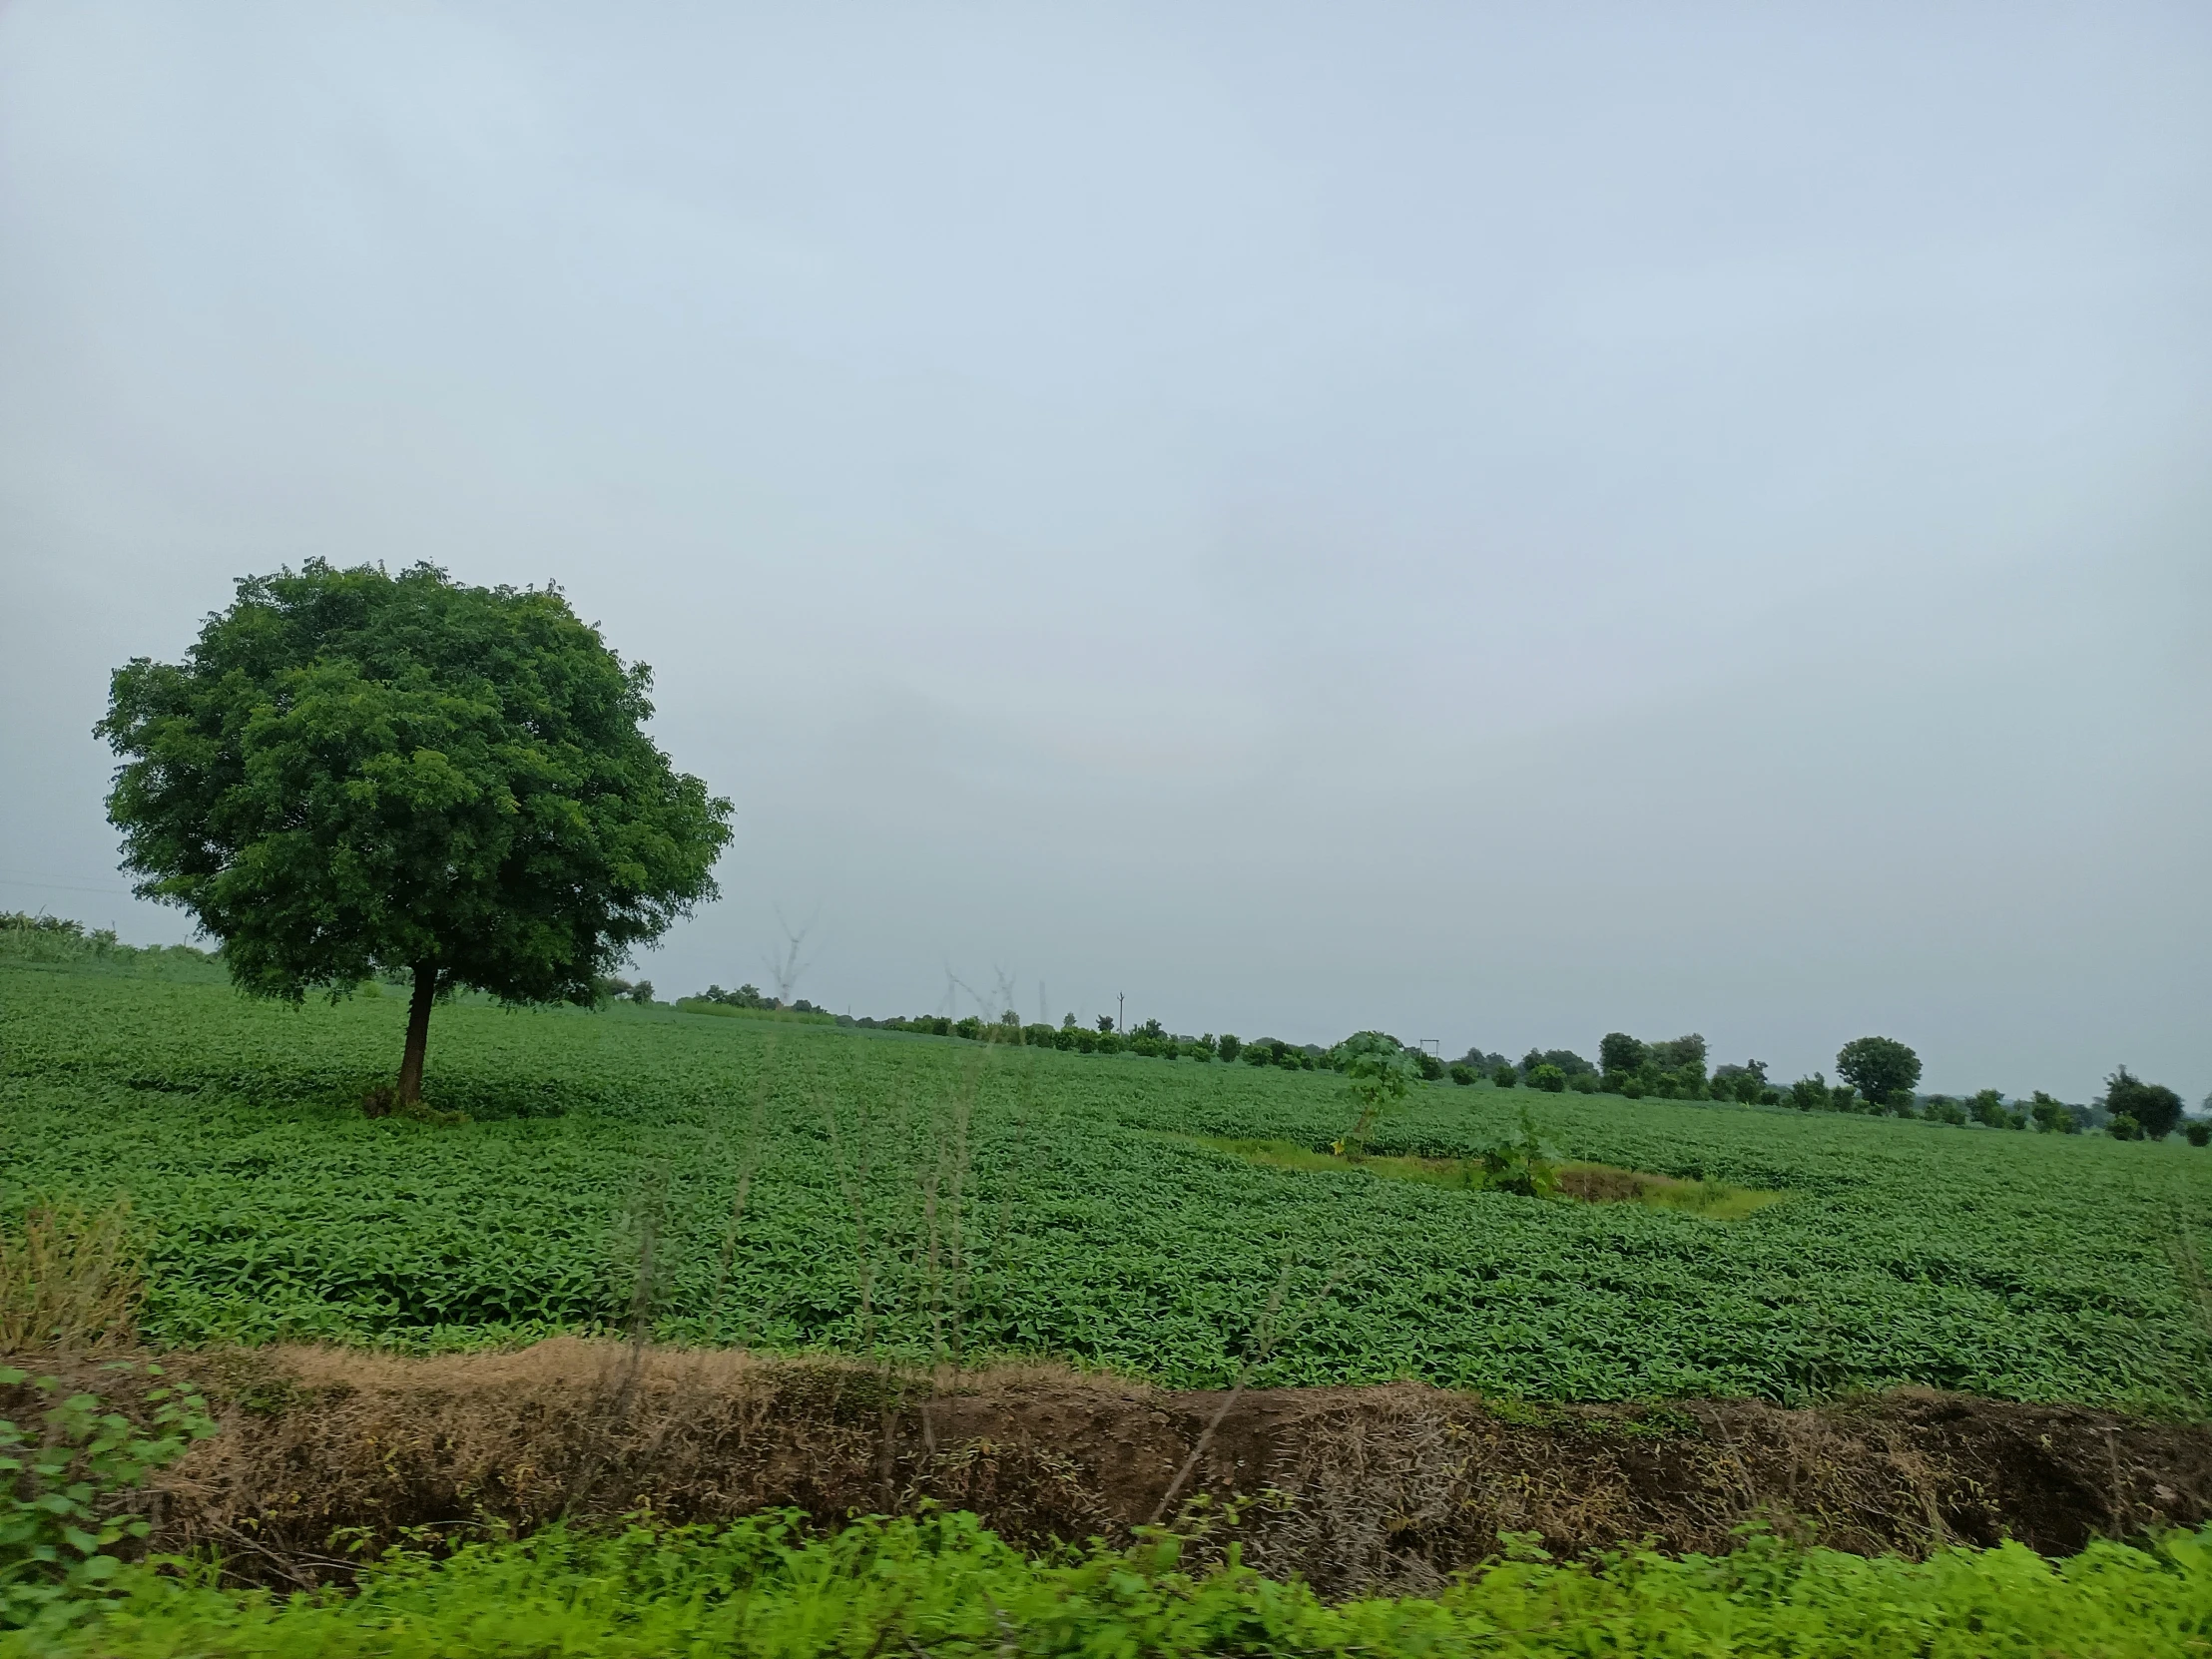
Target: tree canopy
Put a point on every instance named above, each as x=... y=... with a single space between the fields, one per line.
x=357 y=774
x=2155 y=1108
x=1878 y=1067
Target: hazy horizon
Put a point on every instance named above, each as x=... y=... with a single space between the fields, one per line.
x=1499 y=528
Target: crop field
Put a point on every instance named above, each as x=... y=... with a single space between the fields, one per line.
x=801 y=1187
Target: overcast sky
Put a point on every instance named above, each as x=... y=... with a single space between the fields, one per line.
x=1500 y=524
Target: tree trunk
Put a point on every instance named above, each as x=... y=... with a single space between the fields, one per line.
x=418 y=1034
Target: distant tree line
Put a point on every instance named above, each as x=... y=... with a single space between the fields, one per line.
x=751 y=997
x=1876 y=1075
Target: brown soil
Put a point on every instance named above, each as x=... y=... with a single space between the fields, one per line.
x=1353 y=1487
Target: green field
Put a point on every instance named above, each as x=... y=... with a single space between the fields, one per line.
x=932 y=1194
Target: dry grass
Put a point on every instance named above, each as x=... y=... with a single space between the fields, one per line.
x=326 y=1449
x=71 y=1280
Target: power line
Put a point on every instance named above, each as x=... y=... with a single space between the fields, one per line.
x=62 y=887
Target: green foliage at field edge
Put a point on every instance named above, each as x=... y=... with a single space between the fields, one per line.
x=943 y=1586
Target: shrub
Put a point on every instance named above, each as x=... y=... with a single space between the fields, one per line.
x=2198 y=1132
x=1745 y=1083
x=1429 y=1066
x=2123 y=1127
x=1230 y=1045
x=1987 y=1107
x=1550 y=1078
x=1274 y=1051
x=1461 y=1073
x=59 y=1526
x=1566 y=1059
x=2052 y=1117
x=1382 y=1071
x=1634 y=1088
x=1520 y=1164
x=1505 y=1076
x=2155 y=1108
x=1583 y=1082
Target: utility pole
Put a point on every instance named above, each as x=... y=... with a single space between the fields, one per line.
x=1119 y=1001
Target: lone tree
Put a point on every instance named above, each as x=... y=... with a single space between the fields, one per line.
x=2154 y=1107
x=1382 y=1072
x=357 y=774
x=1878 y=1067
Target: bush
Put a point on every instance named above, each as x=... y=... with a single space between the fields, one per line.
x=1987 y=1107
x=1566 y=1059
x=1744 y=1083
x=1382 y=1071
x=42 y=939
x=2199 y=1132
x=1429 y=1066
x=2155 y=1108
x=2052 y=1117
x=1461 y=1073
x=1505 y=1076
x=1231 y=1046
x=1583 y=1082
x=59 y=1526
x=2123 y=1127
x=1520 y=1164
x=1550 y=1078
x=745 y=996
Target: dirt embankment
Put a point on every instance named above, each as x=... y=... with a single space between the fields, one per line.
x=1351 y=1487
